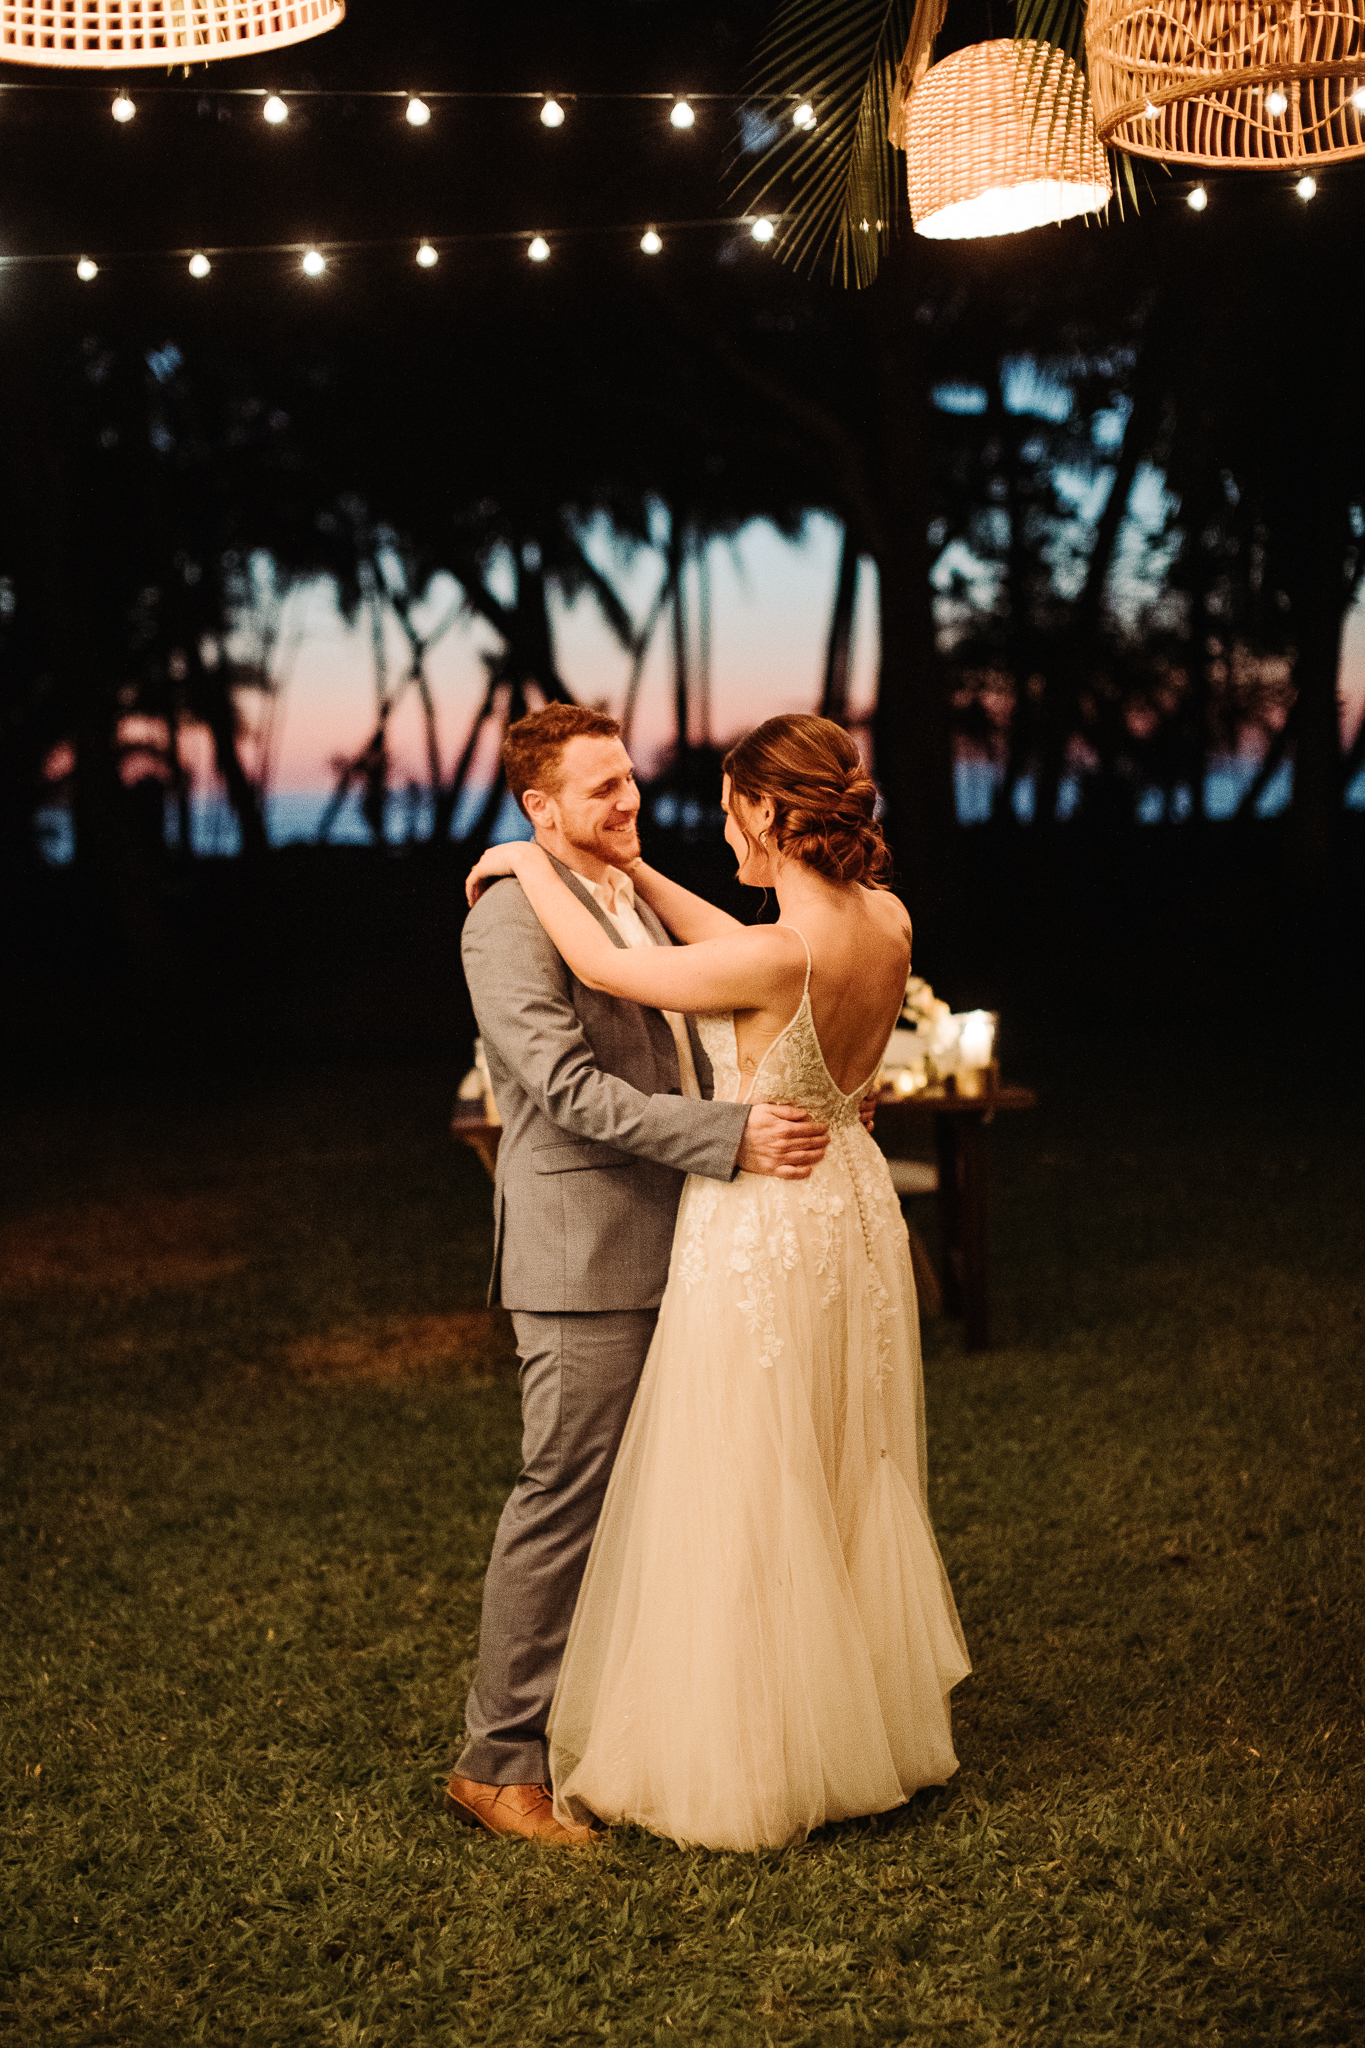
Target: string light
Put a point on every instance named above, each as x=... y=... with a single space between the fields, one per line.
x=348 y=94
x=315 y=260
x=275 y=110
x=1150 y=112
x=804 y=117
x=419 y=113
x=1358 y=100
x=682 y=115
x=1198 y=199
x=1276 y=103
x=1306 y=187
x=123 y=108
x=552 y=114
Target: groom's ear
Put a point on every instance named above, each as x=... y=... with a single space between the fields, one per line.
x=537 y=807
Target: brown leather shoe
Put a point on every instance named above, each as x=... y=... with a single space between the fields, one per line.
x=515 y=1810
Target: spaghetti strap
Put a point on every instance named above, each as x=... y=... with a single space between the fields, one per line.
x=791 y=1023
x=781 y=926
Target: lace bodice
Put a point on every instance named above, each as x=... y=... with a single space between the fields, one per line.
x=793 y=1068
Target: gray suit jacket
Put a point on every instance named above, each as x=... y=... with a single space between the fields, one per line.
x=597 y=1136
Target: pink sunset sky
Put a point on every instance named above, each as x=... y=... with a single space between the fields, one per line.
x=770 y=605
x=770 y=615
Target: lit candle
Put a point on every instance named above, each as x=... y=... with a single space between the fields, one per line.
x=976 y=1039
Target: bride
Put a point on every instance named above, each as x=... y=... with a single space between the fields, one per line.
x=765 y=1638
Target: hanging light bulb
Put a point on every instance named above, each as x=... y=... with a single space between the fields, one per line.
x=651 y=242
x=419 y=113
x=275 y=110
x=804 y=117
x=85 y=270
x=1197 y=200
x=979 y=161
x=427 y=256
x=1358 y=100
x=763 y=229
x=1151 y=112
x=314 y=263
x=123 y=108
x=1276 y=102
x=199 y=265
x=1306 y=187
x=682 y=115
x=539 y=249
x=552 y=114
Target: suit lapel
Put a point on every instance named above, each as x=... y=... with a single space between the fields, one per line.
x=661 y=937
x=658 y=932
x=585 y=895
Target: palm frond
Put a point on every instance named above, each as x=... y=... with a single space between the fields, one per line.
x=1059 y=22
x=1049 y=25
x=842 y=183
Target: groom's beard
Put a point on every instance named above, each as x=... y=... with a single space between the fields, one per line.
x=617 y=847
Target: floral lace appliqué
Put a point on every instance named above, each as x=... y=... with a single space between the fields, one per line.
x=761 y=1255
x=702 y=1199
x=794 y=1070
x=817 y=1200
x=876 y=1200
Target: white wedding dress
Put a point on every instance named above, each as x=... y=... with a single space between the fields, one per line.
x=765 y=1638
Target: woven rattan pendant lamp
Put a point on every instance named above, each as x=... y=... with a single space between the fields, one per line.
x=1204 y=82
x=118 y=35
x=997 y=138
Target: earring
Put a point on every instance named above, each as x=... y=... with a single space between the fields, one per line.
x=762 y=838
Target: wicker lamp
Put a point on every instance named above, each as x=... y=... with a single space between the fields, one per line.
x=1197 y=82
x=998 y=138
x=117 y=35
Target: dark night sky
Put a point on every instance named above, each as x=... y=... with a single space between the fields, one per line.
x=195 y=169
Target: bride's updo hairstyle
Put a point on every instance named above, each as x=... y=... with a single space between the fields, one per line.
x=824 y=799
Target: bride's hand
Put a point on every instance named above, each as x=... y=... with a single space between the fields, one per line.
x=497 y=861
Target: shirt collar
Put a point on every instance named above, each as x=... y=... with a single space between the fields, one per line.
x=615 y=892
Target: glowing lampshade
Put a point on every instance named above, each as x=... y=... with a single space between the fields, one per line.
x=999 y=137
x=1202 y=82
x=116 y=35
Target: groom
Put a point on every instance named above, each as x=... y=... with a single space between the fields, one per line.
x=604 y=1110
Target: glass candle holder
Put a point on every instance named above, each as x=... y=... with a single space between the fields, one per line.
x=976 y=1038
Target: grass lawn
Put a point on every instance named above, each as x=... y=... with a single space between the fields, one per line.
x=258 y=1430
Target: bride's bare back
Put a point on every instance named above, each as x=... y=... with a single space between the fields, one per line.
x=859 y=943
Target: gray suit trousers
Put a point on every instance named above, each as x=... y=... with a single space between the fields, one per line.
x=578 y=1378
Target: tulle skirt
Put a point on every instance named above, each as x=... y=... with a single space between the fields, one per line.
x=765 y=1638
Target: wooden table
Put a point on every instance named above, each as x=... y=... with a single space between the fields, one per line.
x=960 y=1123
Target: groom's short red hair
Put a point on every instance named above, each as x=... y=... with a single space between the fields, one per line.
x=533 y=746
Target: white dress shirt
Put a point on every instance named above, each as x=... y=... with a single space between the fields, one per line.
x=615 y=894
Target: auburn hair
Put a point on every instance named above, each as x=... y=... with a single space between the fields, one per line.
x=533 y=748
x=824 y=800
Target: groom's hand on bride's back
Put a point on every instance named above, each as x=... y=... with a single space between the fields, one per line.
x=782 y=1140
